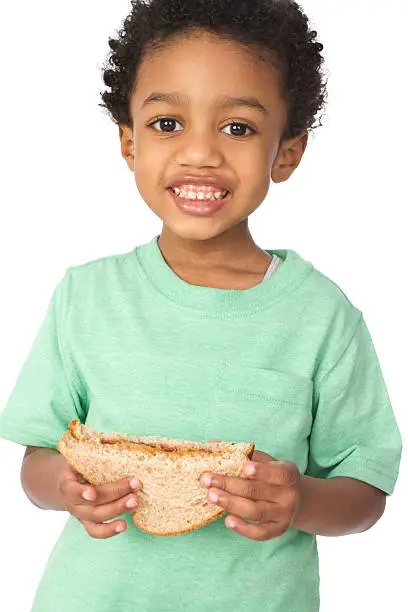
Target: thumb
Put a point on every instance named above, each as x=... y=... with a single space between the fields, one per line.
x=69 y=473
x=257 y=455
x=262 y=457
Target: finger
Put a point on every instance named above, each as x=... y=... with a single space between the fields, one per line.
x=101 y=531
x=68 y=472
x=283 y=473
x=260 y=532
x=77 y=493
x=242 y=487
x=81 y=479
x=104 y=512
x=74 y=492
x=71 y=474
x=274 y=473
x=253 y=510
x=69 y=482
x=110 y=492
x=263 y=457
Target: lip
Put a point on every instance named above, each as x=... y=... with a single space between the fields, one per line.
x=194 y=179
x=199 y=208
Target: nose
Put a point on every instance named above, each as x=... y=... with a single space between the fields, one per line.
x=199 y=148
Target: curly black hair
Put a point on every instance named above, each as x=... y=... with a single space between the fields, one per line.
x=277 y=30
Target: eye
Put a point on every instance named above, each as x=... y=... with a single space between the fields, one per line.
x=166 y=123
x=241 y=127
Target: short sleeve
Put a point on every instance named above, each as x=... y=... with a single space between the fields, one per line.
x=354 y=431
x=46 y=395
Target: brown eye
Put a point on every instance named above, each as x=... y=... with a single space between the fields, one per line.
x=166 y=124
x=238 y=129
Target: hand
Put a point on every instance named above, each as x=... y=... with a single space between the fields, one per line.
x=269 y=495
x=93 y=505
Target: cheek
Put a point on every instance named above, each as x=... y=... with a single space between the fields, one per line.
x=253 y=169
x=146 y=168
x=255 y=182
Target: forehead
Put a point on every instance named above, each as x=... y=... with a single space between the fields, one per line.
x=204 y=66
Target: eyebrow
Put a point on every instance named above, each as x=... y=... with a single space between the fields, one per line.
x=223 y=101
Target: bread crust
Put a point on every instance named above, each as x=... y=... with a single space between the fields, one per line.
x=174 y=533
x=174 y=448
x=121 y=442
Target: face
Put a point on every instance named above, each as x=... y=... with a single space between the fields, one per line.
x=199 y=131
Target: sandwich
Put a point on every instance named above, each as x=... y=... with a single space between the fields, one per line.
x=172 y=500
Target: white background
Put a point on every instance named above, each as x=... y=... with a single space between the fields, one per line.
x=67 y=197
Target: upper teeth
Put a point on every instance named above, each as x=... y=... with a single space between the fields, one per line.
x=199 y=195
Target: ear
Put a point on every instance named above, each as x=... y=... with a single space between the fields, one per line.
x=288 y=158
x=126 y=145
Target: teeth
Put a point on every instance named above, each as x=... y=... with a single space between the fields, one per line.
x=200 y=195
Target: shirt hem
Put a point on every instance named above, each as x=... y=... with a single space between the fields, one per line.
x=26 y=438
x=361 y=470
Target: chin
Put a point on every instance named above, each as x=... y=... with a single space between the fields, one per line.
x=196 y=229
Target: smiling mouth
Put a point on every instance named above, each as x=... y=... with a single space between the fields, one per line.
x=203 y=194
x=200 y=206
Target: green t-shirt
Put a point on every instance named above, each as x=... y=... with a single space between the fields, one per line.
x=127 y=345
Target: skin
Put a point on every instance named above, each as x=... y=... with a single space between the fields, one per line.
x=214 y=251
x=51 y=484
x=218 y=250
x=277 y=496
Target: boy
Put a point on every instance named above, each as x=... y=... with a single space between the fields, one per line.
x=201 y=334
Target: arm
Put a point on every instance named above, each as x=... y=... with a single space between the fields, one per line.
x=51 y=484
x=39 y=477
x=277 y=496
x=337 y=506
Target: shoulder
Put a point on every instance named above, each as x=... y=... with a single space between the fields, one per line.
x=326 y=315
x=323 y=293
x=101 y=265
x=96 y=281
x=335 y=316
x=335 y=298
x=104 y=269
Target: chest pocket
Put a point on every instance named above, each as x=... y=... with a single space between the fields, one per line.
x=269 y=407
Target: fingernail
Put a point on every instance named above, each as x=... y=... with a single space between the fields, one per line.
x=120 y=528
x=88 y=495
x=230 y=522
x=213 y=497
x=249 y=469
x=135 y=483
x=131 y=503
x=206 y=480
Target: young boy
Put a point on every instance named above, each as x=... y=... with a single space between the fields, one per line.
x=200 y=334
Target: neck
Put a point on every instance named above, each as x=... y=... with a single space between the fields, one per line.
x=235 y=246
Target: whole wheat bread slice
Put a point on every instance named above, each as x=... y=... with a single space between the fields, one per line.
x=172 y=501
